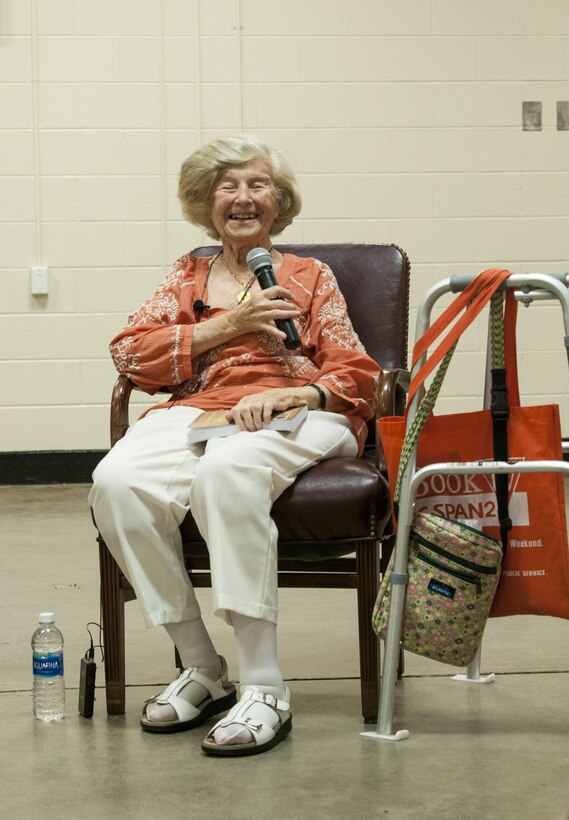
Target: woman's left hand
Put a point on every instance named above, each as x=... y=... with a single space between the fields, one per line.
x=253 y=412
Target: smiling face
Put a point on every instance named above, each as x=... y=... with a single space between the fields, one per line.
x=244 y=205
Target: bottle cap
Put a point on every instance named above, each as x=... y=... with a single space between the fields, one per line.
x=46 y=618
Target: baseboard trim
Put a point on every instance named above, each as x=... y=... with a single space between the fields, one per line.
x=57 y=466
x=49 y=466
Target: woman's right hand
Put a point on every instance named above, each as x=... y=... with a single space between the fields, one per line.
x=254 y=315
x=259 y=312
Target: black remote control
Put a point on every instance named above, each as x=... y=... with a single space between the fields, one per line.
x=87 y=687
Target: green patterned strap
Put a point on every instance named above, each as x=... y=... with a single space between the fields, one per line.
x=497 y=331
x=428 y=401
x=422 y=413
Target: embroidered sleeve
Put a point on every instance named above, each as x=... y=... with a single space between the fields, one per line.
x=344 y=366
x=154 y=348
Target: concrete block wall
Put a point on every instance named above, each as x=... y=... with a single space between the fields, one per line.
x=403 y=119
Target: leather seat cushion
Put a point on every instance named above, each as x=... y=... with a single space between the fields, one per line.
x=335 y=499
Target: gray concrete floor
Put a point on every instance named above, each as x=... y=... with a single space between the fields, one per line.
x=497 y=751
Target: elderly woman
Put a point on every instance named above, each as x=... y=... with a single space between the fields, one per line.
x=209 y=335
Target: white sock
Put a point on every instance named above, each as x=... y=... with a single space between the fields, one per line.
x=195 y=648
x=256 y=647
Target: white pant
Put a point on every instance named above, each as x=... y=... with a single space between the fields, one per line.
x=147 y=483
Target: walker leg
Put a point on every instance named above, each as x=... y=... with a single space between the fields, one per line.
x=400 y=734
x=390 y=667
x=473 y=672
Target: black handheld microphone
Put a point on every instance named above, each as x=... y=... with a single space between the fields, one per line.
x=260 y=263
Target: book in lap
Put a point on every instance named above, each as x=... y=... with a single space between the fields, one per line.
x=213 y=424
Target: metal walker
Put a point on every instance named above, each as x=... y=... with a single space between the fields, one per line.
x=528 y=288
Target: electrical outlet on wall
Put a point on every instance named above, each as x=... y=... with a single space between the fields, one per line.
x=39 y=281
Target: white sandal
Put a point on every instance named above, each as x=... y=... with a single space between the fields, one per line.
x=218 y=696
x=266 y=733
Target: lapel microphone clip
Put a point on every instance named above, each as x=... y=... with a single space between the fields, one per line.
x=199 y=306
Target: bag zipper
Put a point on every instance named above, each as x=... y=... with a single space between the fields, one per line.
x=483 y=569
x=463 y=576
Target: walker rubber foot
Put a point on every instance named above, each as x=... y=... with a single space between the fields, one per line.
x=480 y=679
x=402 y=734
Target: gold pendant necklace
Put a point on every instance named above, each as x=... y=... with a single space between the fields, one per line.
x=244 y=294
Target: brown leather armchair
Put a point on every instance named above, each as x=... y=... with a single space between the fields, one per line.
x=333 y=519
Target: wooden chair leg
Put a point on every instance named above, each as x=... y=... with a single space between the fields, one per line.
x=112 y=608
x=367 y=568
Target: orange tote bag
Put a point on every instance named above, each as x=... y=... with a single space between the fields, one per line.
x=535 y=576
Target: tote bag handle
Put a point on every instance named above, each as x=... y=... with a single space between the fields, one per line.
x=473 y=299
x=489 y=283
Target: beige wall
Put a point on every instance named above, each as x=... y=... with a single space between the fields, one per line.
x=402 y=118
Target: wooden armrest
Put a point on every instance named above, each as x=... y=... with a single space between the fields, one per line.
x=119 y=408
x=393 y=384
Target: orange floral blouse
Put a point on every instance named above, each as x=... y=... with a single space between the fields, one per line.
x=155 y=349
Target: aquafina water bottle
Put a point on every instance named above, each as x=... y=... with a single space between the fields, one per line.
x=47 y=652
